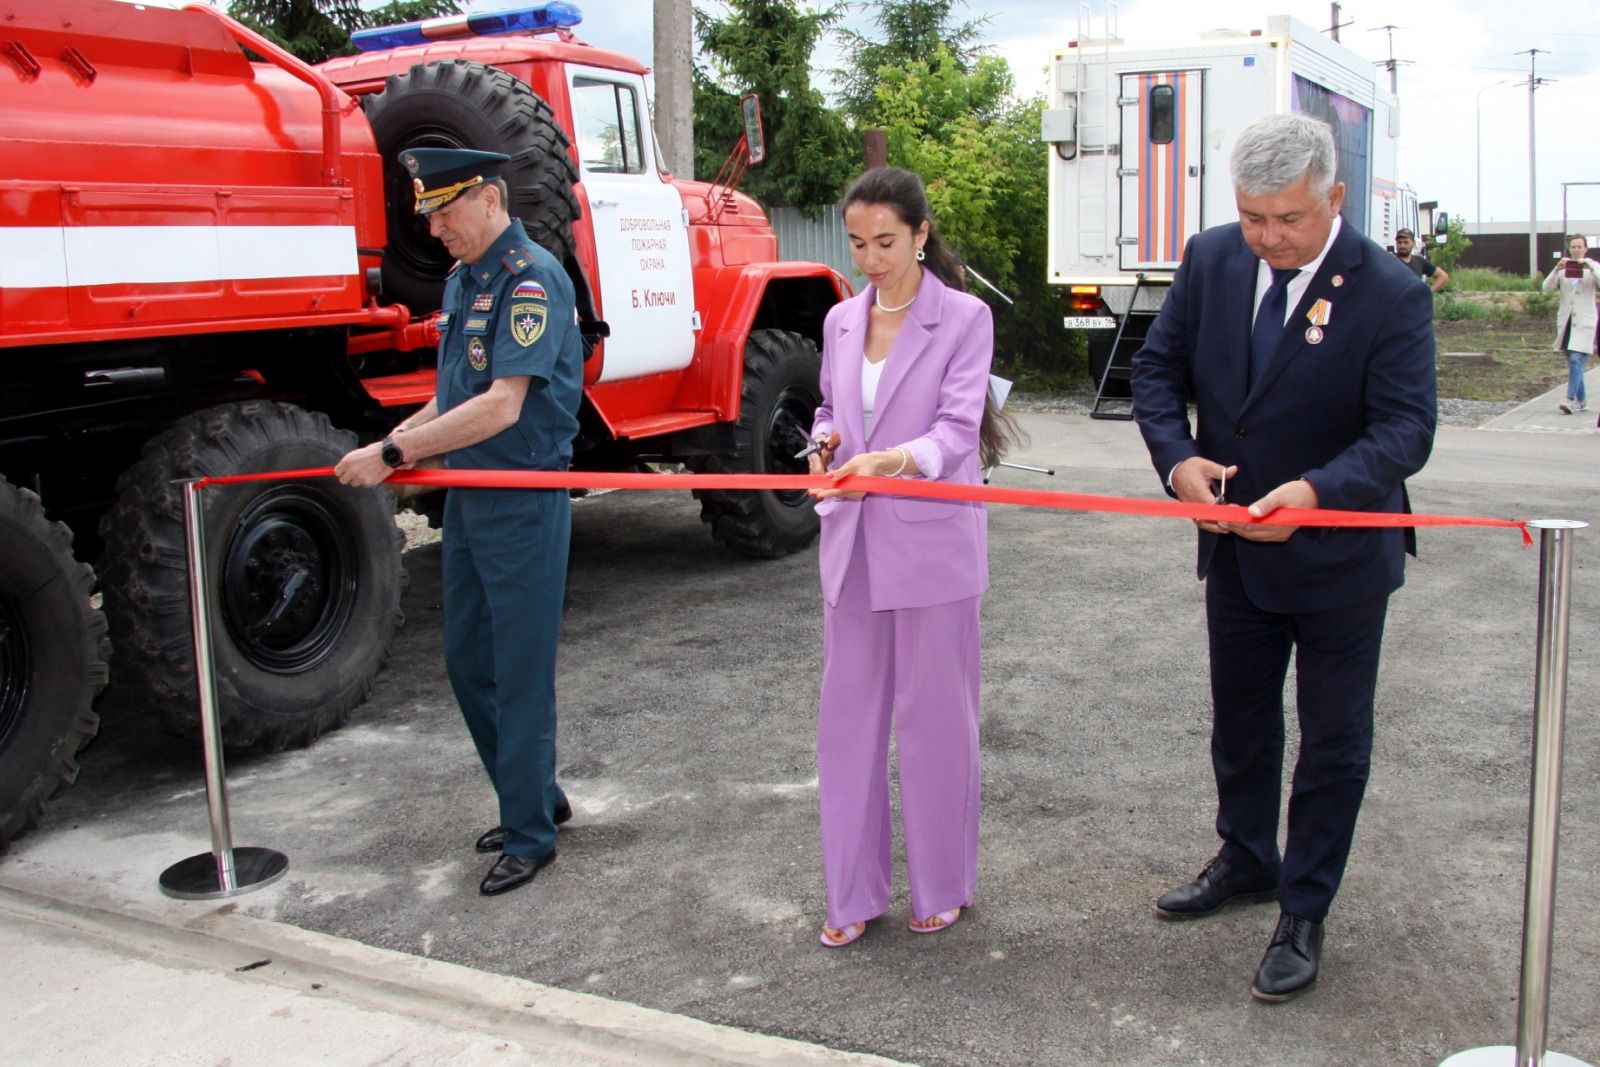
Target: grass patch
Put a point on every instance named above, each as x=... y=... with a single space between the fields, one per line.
x=1489 y=280
x=1449 y=309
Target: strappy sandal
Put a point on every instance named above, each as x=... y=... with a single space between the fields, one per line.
x=832 y=938
x=942 y=920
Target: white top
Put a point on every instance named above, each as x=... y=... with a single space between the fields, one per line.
x=870 y=374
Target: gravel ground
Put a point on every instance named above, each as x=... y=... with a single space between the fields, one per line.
x=1452 y=412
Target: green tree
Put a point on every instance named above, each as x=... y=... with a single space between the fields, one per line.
x=911 y=30
x=315 y=30
x=765 y=47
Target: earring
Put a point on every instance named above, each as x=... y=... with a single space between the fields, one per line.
x=921 y=255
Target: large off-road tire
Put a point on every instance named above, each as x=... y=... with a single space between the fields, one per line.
x=461 y=104
x=53 y=653
x=779 y=399
x=305 y=578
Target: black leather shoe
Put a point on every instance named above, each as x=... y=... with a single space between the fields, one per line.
x=1290 y=966
x=1219 y=883
x=495 y=840
x=511 y=871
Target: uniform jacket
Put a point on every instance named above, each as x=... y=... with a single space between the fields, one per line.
x=1577 y=307
x=1353 y=414
x=930 y=400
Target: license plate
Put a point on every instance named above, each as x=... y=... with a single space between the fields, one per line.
x=1089 y=322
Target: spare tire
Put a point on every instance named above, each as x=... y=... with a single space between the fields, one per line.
x=461 y=104
x=53 y=652
x=305 y=576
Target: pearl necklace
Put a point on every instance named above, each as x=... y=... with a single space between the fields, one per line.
x=877 y=298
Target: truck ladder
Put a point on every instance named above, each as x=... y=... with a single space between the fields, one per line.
x=1113 y=399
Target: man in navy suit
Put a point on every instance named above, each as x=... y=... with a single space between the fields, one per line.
x=1307 y=352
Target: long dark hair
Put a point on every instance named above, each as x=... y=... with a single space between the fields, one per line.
x=902 y=190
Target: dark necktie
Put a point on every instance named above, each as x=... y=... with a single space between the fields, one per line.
x=1269 y=321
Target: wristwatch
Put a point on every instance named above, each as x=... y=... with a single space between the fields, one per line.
x=391 y=454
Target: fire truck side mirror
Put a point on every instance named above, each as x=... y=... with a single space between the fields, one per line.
x=754 y=139
x=1441 y=226
x=1059 y=126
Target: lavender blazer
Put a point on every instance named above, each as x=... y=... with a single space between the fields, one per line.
x=930 y=401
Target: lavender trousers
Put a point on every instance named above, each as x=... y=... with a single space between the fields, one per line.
x=919 y=666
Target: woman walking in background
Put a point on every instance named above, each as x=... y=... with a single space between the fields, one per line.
x=905 y=380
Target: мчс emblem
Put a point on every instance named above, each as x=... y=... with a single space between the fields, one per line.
x=527 y=321
x=477 y=355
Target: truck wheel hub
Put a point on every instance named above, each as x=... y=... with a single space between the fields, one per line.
x=288 y=580
x=14 y=668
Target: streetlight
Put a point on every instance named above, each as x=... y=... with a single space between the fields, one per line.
x=1478 y=183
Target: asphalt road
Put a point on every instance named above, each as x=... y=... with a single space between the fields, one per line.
x=690 y=880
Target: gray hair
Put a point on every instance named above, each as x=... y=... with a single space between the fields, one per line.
x=1275 y=152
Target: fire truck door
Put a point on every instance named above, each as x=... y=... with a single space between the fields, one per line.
x=1162 y=143
x=640 y=235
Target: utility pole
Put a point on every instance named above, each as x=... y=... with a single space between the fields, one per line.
x=1337 y=25
x=1392 y=63
x=674 y=70
x=1534 y=81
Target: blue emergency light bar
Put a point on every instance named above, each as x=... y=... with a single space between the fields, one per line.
x=551 y=15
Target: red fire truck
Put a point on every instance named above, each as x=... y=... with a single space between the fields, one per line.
x=209 y=265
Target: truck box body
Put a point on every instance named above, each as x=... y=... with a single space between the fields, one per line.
x=1141 y=137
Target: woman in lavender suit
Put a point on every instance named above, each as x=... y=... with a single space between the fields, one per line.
x=904 y=387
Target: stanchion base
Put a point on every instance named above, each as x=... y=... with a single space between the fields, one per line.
x=196 y=878
x=1505 y=1056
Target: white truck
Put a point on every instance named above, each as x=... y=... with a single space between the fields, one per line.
x=1140 y=137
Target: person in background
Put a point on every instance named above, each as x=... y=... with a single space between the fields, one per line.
x=1404 y=242
x=1574 y=276
x=1308 y=354
x=509 y=384
x=905 y=382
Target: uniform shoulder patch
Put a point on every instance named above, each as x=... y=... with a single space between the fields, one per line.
x=529 y=290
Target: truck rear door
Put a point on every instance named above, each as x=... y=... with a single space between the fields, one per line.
x=1162 y=143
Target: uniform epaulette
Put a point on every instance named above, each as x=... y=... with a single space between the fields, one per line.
x=518 y=260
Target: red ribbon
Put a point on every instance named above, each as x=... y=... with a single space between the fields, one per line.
x=912 y=487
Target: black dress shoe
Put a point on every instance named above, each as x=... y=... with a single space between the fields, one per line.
x=1290 y=966
x=495 y=840
x=1219 y=883
x=511 y=871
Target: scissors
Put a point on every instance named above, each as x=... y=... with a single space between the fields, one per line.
x=819 y=445
x=1222 y=488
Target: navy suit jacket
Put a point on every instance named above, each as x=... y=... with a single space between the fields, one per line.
x=1353 y=414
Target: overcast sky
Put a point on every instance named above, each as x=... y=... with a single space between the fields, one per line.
x=1455 y=47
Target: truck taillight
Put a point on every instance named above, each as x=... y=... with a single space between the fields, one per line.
x=552 y=15
x=1084 y=298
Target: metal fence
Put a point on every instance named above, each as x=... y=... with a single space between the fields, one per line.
x=818 y=240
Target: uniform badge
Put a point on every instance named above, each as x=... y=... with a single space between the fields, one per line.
x=1337 y=280
x=444 y=321
x=411 y=162
x=529 y=290
x=477 y=355
x=483 y=302
x=1314 y=335
x=1320 y=313
x=527 y=321
x=479 y=325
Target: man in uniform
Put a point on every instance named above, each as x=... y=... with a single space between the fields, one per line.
x=509 y=383
x=1307 y=352
x=1404 y=242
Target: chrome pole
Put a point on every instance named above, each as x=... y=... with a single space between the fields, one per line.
x=224 y=871
x=1544 y=810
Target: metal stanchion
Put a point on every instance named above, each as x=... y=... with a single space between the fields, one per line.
x=1544 y=811
x=225 y=871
